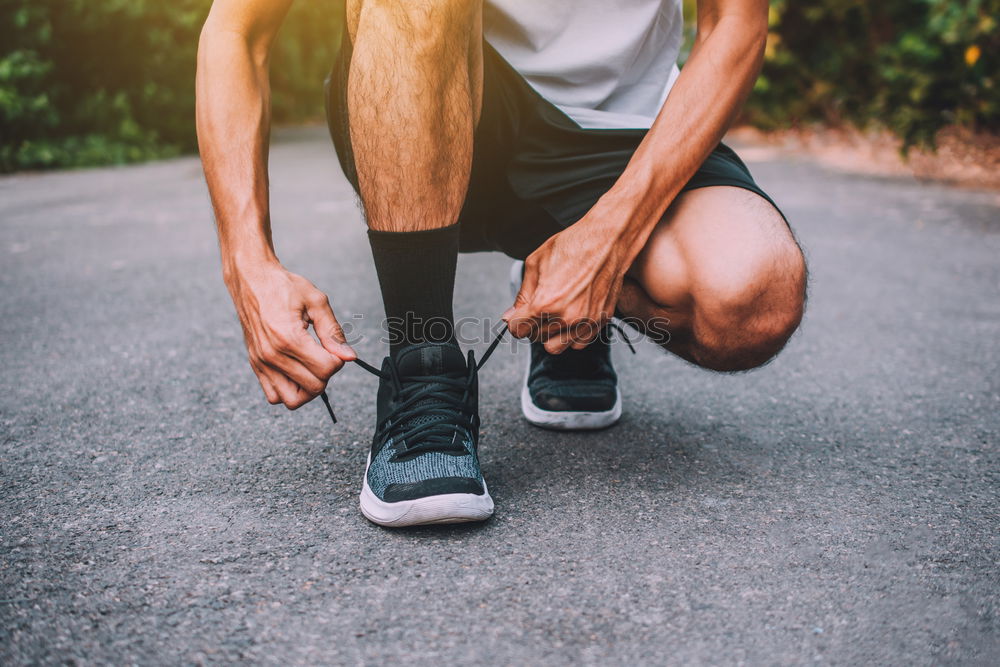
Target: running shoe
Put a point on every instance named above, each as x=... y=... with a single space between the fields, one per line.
x=423 y=467
x=573 y=391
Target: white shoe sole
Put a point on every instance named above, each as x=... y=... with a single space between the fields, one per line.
x=446 y=508
x=562 y=420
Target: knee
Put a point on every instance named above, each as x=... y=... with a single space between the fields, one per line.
x=743 y=318
x=428 y=25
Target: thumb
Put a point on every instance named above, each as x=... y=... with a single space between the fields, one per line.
x=529 y=281
x=520 y=317
x=329 y=331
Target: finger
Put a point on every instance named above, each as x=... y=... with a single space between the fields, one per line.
x=525 y=323
x=528 y=285
x=547 y=328
x=317 y=360
x=517 y=318
x=297 y=373
x=538 y=327
x=328 y=330
x=527 y=320
x=270 y=393
x=292 y=395
x=583 y=333
x=557 y=344
x=524 y=318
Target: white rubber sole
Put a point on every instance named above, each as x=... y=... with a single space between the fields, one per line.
x=569 y=421
x=446 y=508
x=564 y=420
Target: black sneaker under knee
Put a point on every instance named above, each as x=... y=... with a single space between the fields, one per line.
x=575 y=390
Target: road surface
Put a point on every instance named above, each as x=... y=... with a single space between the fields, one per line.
x=839 y=506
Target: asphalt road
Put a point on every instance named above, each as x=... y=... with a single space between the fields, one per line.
x=838 y=506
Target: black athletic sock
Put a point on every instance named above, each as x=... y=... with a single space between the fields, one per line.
x=416 y=271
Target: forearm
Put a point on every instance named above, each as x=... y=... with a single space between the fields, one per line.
x=275 y=307
x=233 y=117
x=700 y=108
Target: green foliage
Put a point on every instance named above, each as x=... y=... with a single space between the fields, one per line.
x=107 y=81
x=913 y=66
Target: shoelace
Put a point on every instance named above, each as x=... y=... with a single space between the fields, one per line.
x=436 y=432
x=621 y=334
x=568 y=363
x=444 y=414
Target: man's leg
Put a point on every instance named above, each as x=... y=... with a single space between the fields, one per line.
x=414 y=95
x=726 y=273
x=721 y=283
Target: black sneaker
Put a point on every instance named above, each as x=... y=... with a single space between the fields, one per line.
x=573 y=391
x=423 y=467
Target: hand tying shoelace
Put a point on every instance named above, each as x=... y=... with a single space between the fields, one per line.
x=434 y=431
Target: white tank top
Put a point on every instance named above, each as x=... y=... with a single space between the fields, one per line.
x=605 y=63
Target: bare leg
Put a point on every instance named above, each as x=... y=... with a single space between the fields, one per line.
x=414 y=97
x=725 y=271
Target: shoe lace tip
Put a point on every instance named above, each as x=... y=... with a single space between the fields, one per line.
x=329 y=408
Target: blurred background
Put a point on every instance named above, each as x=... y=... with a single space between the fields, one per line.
x=111 y=81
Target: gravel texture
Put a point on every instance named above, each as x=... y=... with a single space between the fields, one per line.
x=838 y=506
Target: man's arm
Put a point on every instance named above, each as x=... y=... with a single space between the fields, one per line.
x=576 y=276
x=275 y=306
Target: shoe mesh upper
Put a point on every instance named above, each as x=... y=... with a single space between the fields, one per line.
x=383 y=471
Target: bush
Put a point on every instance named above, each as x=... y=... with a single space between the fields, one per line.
x=913 y=66
x=108 y=81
